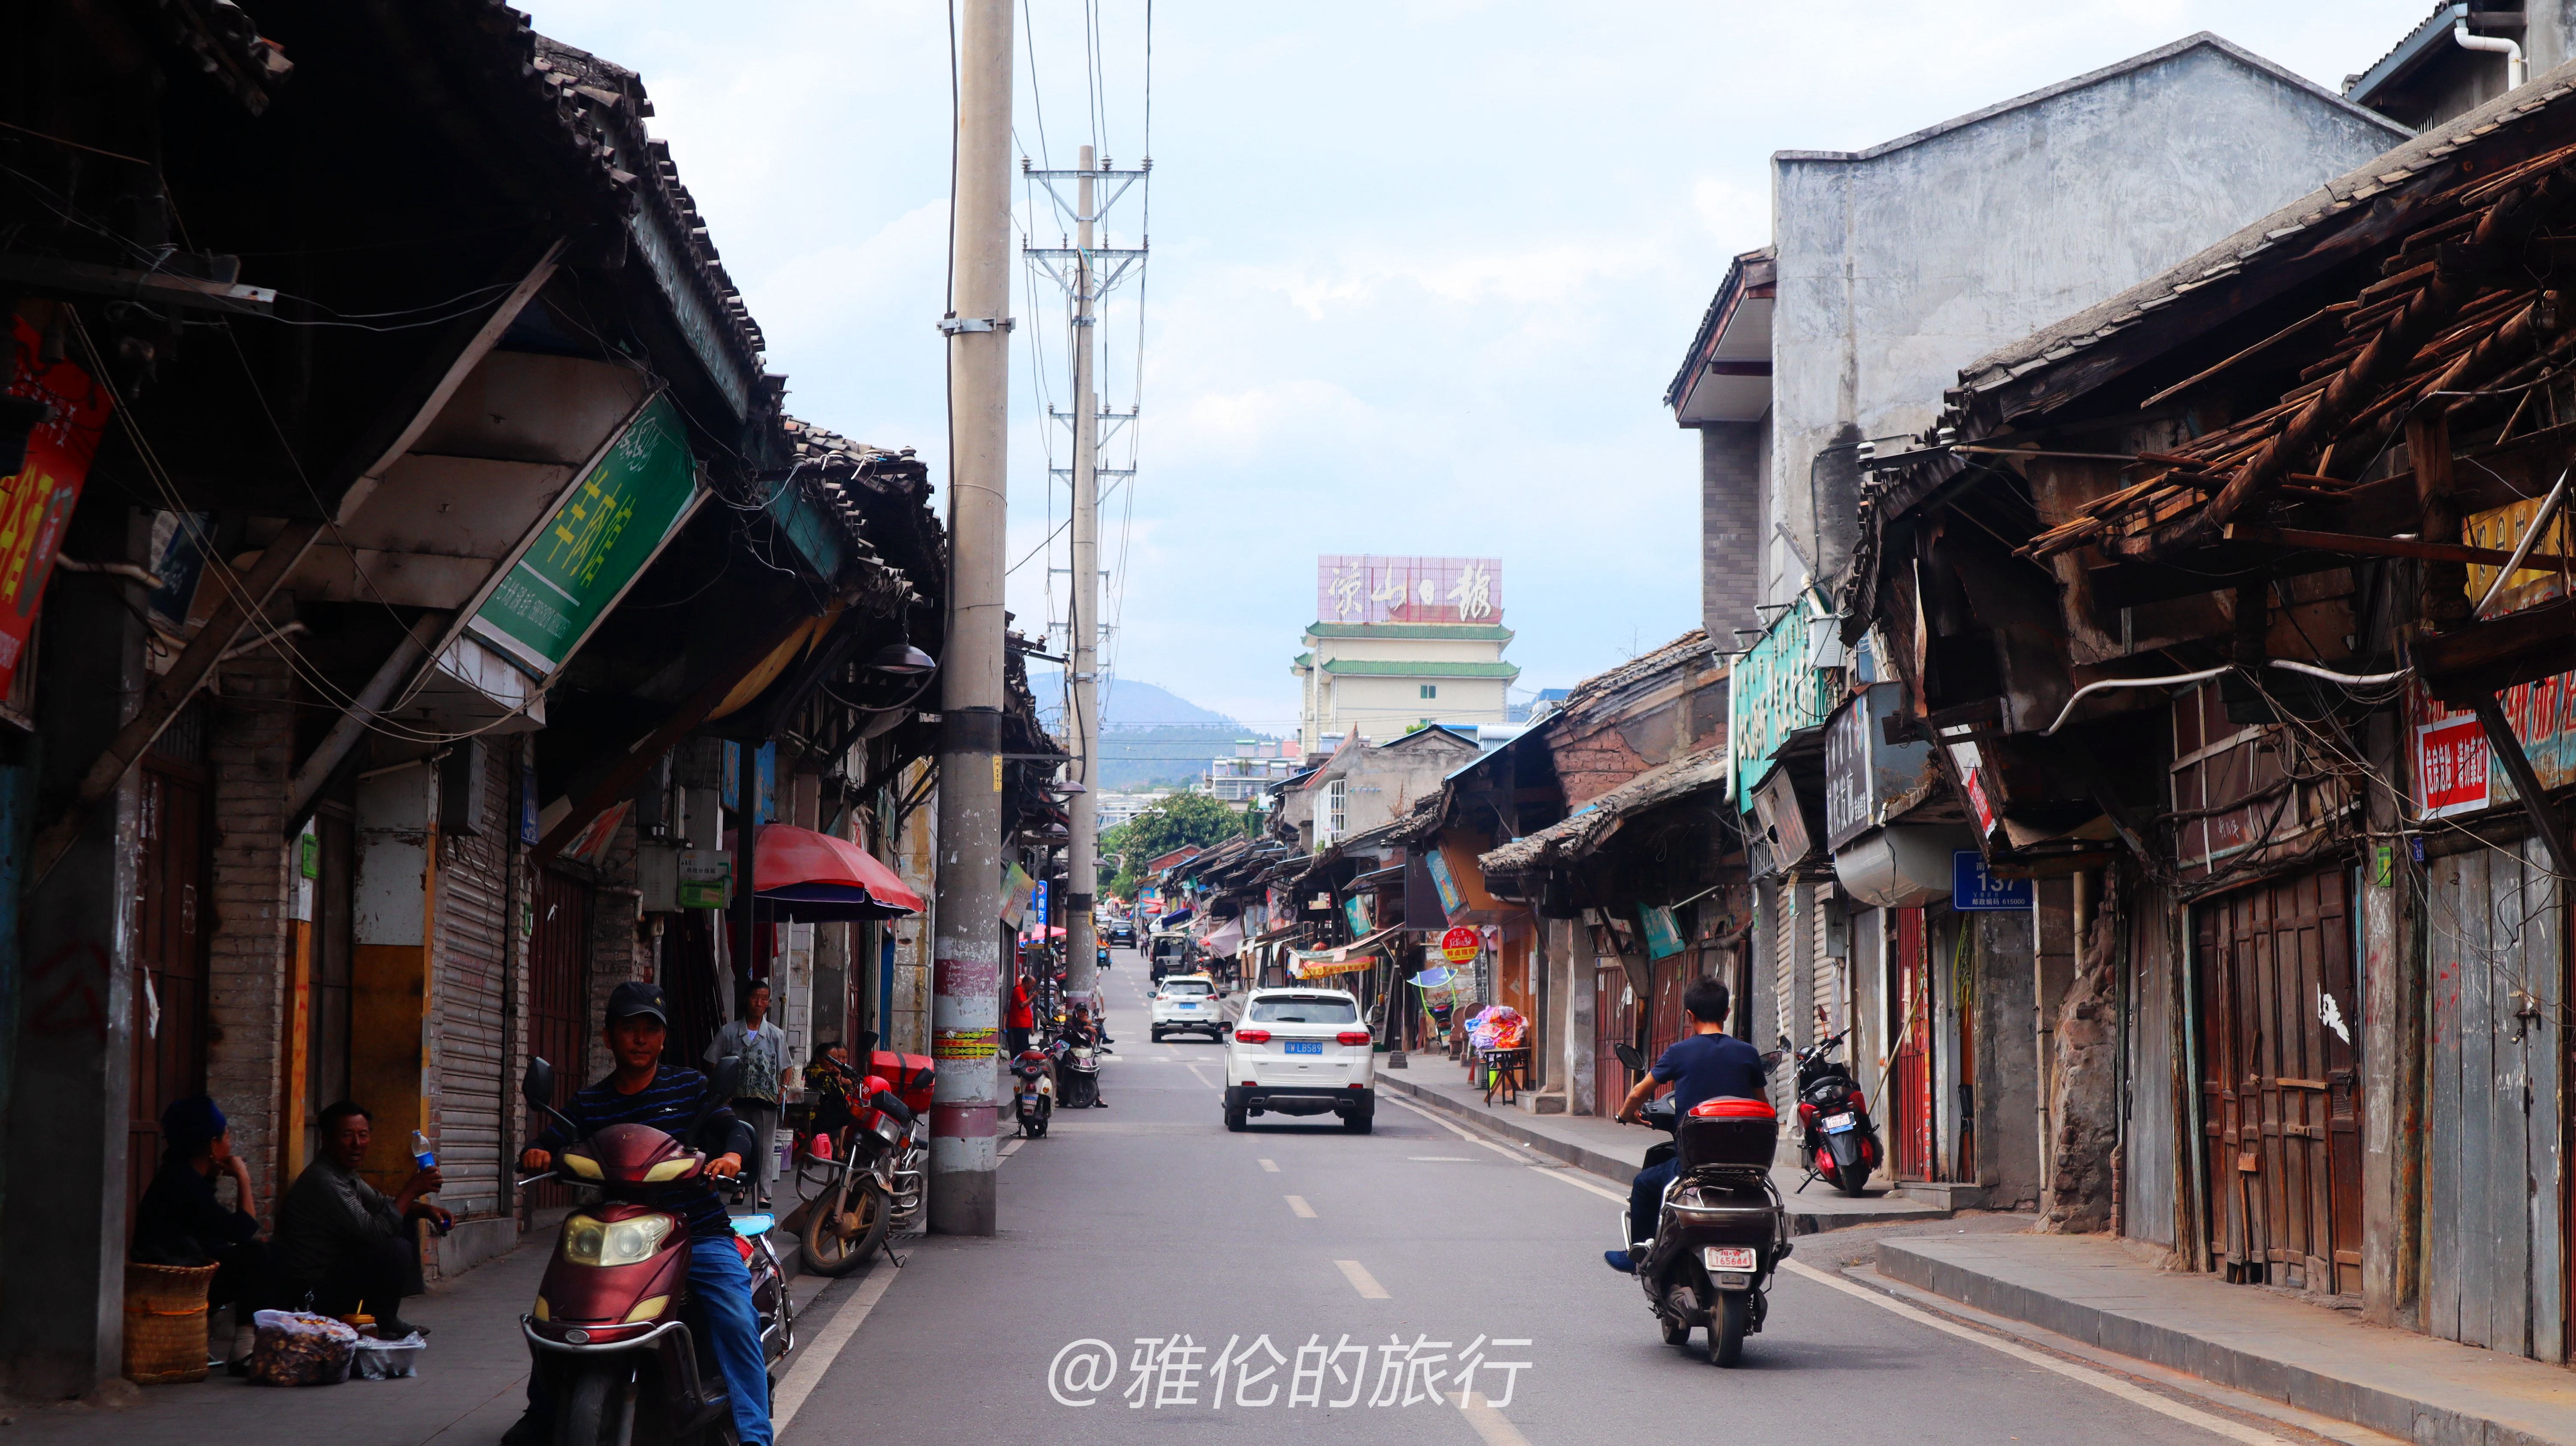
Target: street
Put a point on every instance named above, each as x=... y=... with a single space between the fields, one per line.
x=1147 y=1221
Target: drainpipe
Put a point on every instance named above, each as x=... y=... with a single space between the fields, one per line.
x=2516 y=71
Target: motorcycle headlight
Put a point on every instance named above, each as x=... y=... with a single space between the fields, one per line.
x=588 y=1241
x=887 y=1130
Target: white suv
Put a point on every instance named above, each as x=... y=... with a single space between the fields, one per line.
x=1188 y=1003
x=1301 y=1052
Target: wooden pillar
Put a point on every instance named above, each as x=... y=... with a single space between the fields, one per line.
x=2446 y=584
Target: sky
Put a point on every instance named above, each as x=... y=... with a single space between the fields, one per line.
x=1421 y=269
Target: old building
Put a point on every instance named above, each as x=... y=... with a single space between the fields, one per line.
x=1399 y=642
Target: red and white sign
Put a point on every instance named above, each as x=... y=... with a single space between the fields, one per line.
x=36 y=504
x=2451 y=765
x=1459 y=945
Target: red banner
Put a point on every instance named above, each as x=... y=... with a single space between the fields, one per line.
x=36 y=505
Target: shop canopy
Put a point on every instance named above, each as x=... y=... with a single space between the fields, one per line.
x=1350 y=958
x=806 y=877
x=1225 y=938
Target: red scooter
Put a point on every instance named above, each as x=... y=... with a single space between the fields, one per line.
x=612 y=1324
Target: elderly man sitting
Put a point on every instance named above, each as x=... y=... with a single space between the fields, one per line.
x=340 y=1241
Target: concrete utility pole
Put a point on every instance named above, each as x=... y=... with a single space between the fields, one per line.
x=966 y=983
x=1082 y=661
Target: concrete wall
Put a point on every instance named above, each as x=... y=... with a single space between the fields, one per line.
x=1898 y=267
x=1734 y=457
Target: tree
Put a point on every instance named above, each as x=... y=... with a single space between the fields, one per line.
x=1179 y=821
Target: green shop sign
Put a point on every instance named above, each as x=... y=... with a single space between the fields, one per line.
x=1772 y=692
x=608 y=529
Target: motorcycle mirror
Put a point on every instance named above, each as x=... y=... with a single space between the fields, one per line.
x=537 y=1086
x=1774 y=1057
x=1630 y=1056
x=721 y=1088
x=864 y=1047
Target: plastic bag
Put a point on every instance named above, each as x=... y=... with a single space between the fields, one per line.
x=390 y=1360
x=291 y=1348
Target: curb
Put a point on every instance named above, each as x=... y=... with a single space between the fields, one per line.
x=1621 y=1171
x=2344 y=1397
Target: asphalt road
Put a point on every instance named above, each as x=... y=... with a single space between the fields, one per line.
x=1300 y=1244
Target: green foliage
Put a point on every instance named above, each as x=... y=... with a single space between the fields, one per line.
x=1176 y=822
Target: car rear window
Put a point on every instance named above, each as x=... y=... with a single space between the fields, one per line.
x=1187 y=986
x=1303 y=1009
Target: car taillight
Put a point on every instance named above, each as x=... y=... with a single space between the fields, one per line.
x=1806 y=1114
x=1253 y=1036
x=1352 y=1036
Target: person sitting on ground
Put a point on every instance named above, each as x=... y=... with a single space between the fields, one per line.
x=1709 y=1064
x=340 y=1241
x=644 y=1091
x=180 y=1222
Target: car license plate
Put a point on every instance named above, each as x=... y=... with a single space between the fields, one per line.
x=1305 y=1046
x=1729 y=1257
x=1836 y=1124
x=1185 y=1006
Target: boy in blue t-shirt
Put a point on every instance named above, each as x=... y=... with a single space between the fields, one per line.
x=1709 y=1064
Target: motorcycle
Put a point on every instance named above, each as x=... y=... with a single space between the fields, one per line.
x=1721 y=1230
x=1077 y=1067
x=870 y=1186
x=1840 y=1143
x=1035 y=1092
x=613 y=1326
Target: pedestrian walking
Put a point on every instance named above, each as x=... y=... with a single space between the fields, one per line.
x=762 y=1047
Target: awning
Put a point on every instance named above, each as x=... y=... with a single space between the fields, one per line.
x=1226 y=939
x=1350 y=958
x=1173 y=920
x=808 y=877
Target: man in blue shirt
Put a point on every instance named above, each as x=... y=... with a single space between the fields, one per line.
x=1710 y=1064
x=643 y=1090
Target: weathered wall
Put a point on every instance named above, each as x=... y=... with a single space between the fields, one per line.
x=249 y=752
x=1900 y=265
x=2006 y=1085
x=1734 y=457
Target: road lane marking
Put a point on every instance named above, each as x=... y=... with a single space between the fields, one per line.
x=809 y=1368
x=1194 y=1067
x=1505 y=1151
x=2099 y=1380
x=1570 y=1177
x=1298 y=1207
x=1443 y=1159
x=1271 y=1166
x=1489 y=1423
x=1008 y=1148
x=1361 y=1281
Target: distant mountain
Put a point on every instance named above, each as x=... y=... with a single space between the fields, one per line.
x=1129 y=704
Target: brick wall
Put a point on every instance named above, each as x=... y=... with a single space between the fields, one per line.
x=250 y=755
x=1591 y=764
x=1731 y=528
x=617 y=951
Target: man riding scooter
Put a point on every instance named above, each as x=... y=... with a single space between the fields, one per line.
x=643 y=1090
x=1708 y=1064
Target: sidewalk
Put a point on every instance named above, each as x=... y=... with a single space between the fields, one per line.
x=2410 y=1386
x=1613 y=1151
x=472 y=1382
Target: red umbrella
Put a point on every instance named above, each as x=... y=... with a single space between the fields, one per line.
x=803 y=876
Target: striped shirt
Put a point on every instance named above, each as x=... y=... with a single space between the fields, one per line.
x=667 y=1103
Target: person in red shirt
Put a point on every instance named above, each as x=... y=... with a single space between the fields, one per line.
x=1022 y=1021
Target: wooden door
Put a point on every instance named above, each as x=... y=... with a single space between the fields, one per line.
x=559 y=1026
x=169 y=1050
x=1910 y=1063
x=1668 y=1025
x=2279 y=1079
x=327 y=1003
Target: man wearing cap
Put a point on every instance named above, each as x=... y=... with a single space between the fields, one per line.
x=643 y=1090
x=180 y=1222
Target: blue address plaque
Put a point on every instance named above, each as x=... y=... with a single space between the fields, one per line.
x=1972 y=889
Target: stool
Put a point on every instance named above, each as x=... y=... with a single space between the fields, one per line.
x=1503 y=1073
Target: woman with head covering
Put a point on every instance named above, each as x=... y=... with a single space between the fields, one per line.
x=180 y=1222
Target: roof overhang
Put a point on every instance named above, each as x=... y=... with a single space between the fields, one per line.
x=1727 y=375
x=2420 y=47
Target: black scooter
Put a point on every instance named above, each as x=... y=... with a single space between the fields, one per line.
x=1722 y=1229
x=1840 y=1142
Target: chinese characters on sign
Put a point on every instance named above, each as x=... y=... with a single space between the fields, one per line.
x=36 y=504
x=1972 y=889
x=2452 y=775
x=1774 y=692
x=1367 y=589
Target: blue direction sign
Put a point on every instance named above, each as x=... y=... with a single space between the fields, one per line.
x=1972 y=888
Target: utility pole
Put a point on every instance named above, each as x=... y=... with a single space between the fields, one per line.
x=1086 y=270
x=1082 y=661
x=967 y=957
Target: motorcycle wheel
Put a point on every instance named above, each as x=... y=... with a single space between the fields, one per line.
x=1852 y=1180
x=832 y=1247
x=597 y=1407
x=1726 y=1327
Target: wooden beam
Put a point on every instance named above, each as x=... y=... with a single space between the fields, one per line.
x=2445 y=597
x=2441 y=552
x=2486 y=658
x=2517 y=766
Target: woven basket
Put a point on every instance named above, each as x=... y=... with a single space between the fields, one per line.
x=165 y=1323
